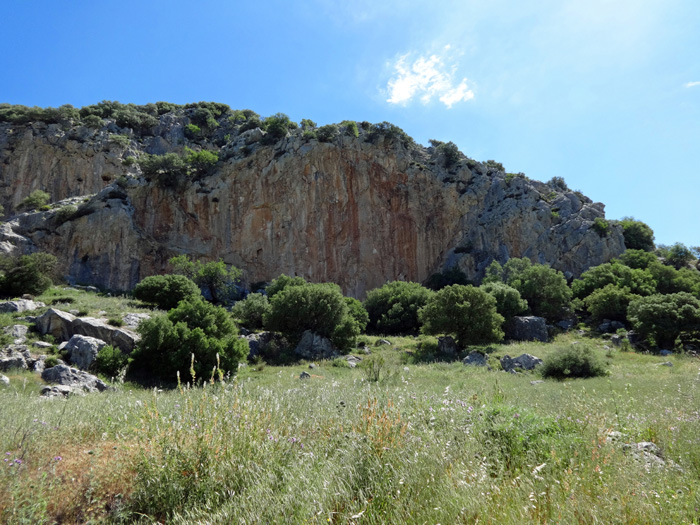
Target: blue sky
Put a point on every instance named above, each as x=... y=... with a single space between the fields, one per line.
x=605 y=93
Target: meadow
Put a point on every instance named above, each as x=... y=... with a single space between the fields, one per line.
x=395 y=440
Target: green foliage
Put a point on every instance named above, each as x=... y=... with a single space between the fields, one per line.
x=65 y=213
x=508 y=300
x=601 y=227
x=34 y=200
x=32 y=274
x=200 y=162
x=277 y=126
x=393 y=308
x=93 y=121
x=328 y=132
x=609 y=302
x=466 y=312
x=215 y=278
x=349 y=127
x=167 y=170
x=110 y=361
x=492 y=164
x=665 y=317
x=638 y=235
x=574 y=361
x=279 y=284
x=192 y=131
x=392 y=134
x=678 y=255
x=358 y=312
x=558 y=183
x=307 y=124
x=639 y=282
x=450 y=153
x=166 y=291
x=194 y=327
x=50 y=361
x=320 y=308
x=119 y=140
x=251 y=310
x=544 y=289
x=638 y=259
x=452 y=275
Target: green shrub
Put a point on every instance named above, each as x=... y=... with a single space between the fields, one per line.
x=544 y=289
x=508 y=300
x=492 y=164
x=558 y=183
x=251 y=310
x=32 y=274
x=200 y=162
x=358 y=312
x=466 y=312
x=450 y=153
x=638 y=235
x=34 y=200
x=609 y=302
x=320 y=308
x=115 y=321
x=601 y=227
x=65 y=213
x=665 y=317
x=110 y=361
x=166 y=291
x=637 y=281
x=192 y=131
x=279 y=284
x=197 y=328
x=307 y=124
x=50 y=361
x=678 y=256
x=393 y=308
x=119 y=140
x=216 y=279
x=167 y=170
x=349 y=127
x=327 y=133
x=452 y=275
x=575 y=361
x=277 y=126
x=392 y=134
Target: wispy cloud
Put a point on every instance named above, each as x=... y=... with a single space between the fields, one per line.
x=691 y=84
x=427 y=78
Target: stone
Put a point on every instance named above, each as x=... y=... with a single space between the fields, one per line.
x=4 y=380
x=526 y=328
x=475 y=359
x=76 y=379
x=536 y=382
x=55 y=323
x=121 y=338
x=262 y=342
x=42 y=344
x=312 y=365
x=56 y=391
x=313 y=346
x=447 y=346
x=13 y=357
x=381 y=342
x=523 y=362
x=565 y=325
x=304 y=375
x=20 y=305
x=665 y=352
x=82 y=350
x=667 y=363
x=133 y=320
x=353 y=360
x=18 y=333
x=616 y=340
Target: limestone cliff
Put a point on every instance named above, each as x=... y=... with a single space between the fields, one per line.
x=358 y=211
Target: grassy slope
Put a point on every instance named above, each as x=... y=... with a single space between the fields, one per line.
x=436 y=443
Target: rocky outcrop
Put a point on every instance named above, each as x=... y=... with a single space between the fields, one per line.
x=355 y=211
x=82 y=351
x=313 y=346
x=522 y=362
x=74 y=378
x=526 y=328
x=20 y=305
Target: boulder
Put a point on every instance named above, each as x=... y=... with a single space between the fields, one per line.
x=665 y=352
x=19 y=305
x=565 y=325
x=447 y=346
x=74 y=378
x=4 y=380
x=125 y=340
x=56 y=391
x=258 y=343
x=607 y=326
x=304 y=375
x=353 y=360
x=14 y=356
x=133 y=321
x=526 y=328
x=475 y=359
x=313 y=346
x=523 y=362
x=42 y=344
x=82 y=350
x=56 y=323
x=17 y=332
x=616 y=340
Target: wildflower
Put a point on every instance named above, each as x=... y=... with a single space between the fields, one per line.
x=18 y=461
x=57 y=458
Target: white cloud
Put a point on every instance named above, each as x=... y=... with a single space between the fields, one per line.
x=691 y=84
x=426 y=78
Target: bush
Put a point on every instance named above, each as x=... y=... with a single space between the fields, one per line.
x=192 y=131
x=167 y=170
x=251 y=310
x=32 y=274
x=609 y=302
x=197 y=328
x=601 y=227
x=50 y=361
x=279 y=284
x=574 y=361
x=450 y=153
x=166 y=291
x=638 y=235
x=558 y=183
x=277 y=126
x=508 y=300
x=453 y=275
x=665 y=317
x=34 y=200
x=307 y=124
x=678 y=256
x=327 y=133
x=216 y=279
x=320 y=308
x=65 y=213
x=495 y=165
x=466 y=312
x=393 y=308
x=110 y=361
x=637 y=281
x=350 y=128
x=544 y=289
x=200 y=162
x=358 y=312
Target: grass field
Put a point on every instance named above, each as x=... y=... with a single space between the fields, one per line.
x=397 y=442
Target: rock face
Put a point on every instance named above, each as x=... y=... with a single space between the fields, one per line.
x=313 y=346
x=355 y=211
x=83 y=350
x=74 y=378
x=20 y=305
